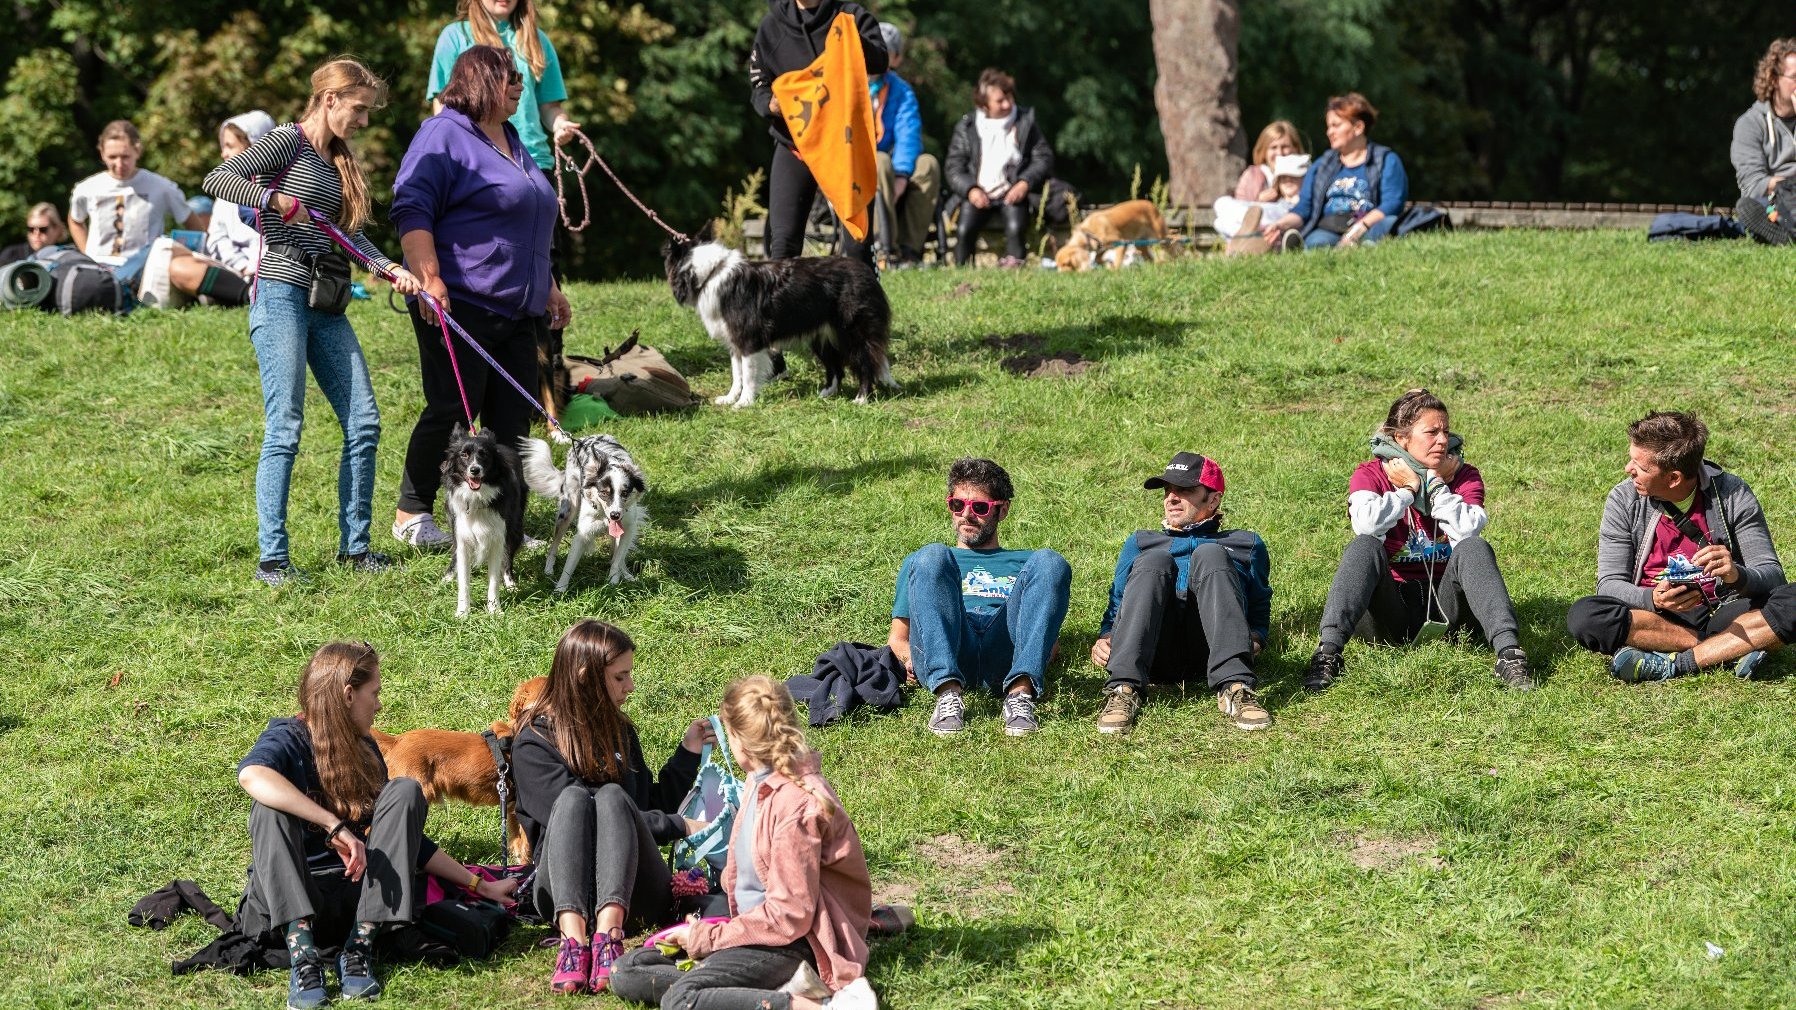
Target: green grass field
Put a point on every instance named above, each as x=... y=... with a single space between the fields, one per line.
x=1415 y=837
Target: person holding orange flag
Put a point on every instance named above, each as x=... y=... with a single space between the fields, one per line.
x=809 y=71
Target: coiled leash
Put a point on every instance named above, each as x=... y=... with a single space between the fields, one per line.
x=447 y=323
x=592 y=158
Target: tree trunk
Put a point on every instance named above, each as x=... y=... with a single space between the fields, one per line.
x=1195 y=47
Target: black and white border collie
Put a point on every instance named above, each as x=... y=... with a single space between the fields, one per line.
x=833 y=303
x=486 y=512
x=600 y=488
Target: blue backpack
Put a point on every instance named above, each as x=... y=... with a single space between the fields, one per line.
x=715 y=797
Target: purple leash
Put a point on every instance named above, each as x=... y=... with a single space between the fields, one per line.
x=447 y=321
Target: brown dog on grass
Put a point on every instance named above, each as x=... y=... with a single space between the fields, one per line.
x=1092 y=239
x=459 y=766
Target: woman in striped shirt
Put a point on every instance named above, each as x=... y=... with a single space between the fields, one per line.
x=304 y=165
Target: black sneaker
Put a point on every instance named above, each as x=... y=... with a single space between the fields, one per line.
x=1754 y=217
x=305 y=986
x=1512 y=670
x=279 y=573
x=1326 y=667
x=356 y=973
x=368 y=561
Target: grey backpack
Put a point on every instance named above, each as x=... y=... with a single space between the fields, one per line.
x=78 y=284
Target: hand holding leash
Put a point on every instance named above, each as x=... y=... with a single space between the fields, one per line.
x=698 y=734
x=497 y=890
x=405 y=282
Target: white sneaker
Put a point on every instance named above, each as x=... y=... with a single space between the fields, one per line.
x=807 y=983
x=856 y=995
x=423 y=533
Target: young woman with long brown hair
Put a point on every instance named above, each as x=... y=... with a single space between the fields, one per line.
x=800 y=896
x=330 y=836
x=596 y=818
x=293 y=167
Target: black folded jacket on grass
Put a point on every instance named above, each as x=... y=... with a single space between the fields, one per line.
x=847 y=675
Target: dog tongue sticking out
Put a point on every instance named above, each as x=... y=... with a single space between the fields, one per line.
x=473 y=483
x=615 y=529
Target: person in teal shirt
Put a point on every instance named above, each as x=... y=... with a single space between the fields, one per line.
x=977 y=611
x=540 y=120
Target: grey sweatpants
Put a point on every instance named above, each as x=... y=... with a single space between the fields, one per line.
x=735 y=978
x=597 y=851
x=1164 y=635
x=281 y=889
x=1470 y=590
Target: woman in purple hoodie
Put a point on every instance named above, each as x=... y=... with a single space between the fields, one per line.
x=474 y=218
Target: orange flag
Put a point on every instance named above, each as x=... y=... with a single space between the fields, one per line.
x=830 y=115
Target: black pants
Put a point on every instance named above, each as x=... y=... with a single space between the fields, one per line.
x=790 y=191
x=499 y=408
x=1164 y=635
x=735 y=978
x=598 y=851
x=281 y=887
x=1470 y=590
x=972 y=219
x=1602 y=623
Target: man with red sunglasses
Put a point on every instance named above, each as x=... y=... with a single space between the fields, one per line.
x=976 y=611
x=1188 y=598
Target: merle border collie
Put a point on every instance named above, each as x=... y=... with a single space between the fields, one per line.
x=486 y=512
x=600 y=488
x=833 y=303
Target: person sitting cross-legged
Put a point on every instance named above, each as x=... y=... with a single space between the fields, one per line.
x=977 y=611
x=1188 y=596
x=1686 y=574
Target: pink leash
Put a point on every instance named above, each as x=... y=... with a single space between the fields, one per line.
x=447 y=323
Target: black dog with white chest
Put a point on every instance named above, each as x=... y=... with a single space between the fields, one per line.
x=486 y=512
x=833 y=303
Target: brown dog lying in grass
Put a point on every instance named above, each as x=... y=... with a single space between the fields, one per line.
x=459 y=766
x=1129 y=221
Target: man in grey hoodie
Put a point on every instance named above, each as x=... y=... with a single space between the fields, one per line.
x=1687 y=576
x=1764 y=149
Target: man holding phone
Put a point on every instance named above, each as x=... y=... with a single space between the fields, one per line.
x=1687 y=576
x=976 y=611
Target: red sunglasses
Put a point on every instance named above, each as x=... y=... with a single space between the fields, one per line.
x=977 y=506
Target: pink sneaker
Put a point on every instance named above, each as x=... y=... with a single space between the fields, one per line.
x=605 y=952
x=572 y=966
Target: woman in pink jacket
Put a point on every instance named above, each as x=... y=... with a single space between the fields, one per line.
x=800 y=896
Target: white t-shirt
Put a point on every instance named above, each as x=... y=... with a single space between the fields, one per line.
x=123 y=217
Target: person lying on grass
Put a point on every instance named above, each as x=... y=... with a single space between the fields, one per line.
x=977 y=610
x=331 y=838
x=1416 y=563
x=1188 y=598
x=596 y=818
x=1686 y=574
x=800 y=894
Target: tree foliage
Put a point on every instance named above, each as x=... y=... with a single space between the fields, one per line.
x=1507 y=99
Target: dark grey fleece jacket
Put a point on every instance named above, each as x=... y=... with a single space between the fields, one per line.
x=1763 y=147
x=1732 y=512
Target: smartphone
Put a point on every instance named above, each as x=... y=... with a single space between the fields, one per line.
x=1431 y=631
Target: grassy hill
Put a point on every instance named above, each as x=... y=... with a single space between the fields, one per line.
x=1415 y=837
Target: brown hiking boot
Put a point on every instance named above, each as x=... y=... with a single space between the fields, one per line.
x=1242 y=706
x=1122 y=704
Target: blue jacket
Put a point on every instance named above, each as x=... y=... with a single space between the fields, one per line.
x=1246 y=551
x=901 y=124
x=1385 y=174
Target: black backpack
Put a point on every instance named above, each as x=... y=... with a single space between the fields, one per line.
x=78 y=284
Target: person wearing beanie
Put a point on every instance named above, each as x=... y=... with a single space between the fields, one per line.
x=232 y=238
x=1189 y=599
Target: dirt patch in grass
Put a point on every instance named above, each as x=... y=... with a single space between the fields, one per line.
x=961 y=290
x=1014 y=342
x=1386 y=854
x=1045 y=366
x=897 y=892
x=972 y=873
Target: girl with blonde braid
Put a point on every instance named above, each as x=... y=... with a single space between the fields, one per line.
x=800 y=896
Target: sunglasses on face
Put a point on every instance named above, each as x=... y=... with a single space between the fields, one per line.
x=978 y=507
x=32 y=229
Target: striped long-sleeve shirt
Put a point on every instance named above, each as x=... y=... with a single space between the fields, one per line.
x=248 y=178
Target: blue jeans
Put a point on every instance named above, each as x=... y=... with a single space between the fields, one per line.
x=288 y=335
x=1321 y=238
x=948 y=644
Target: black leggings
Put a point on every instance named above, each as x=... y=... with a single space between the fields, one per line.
x=972 y=219
x=790 y=192
x=512 y=343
